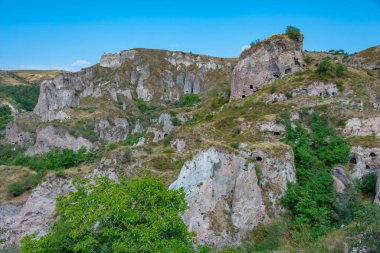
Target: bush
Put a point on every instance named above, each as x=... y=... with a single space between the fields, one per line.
x=92 y=220
x=127 y=155
x=324 y=68
x=189 y=100
x=368 y=184
x=133 y=139
x=312 y=199
x=293 y=33
x=235 y=145
x=340 y=70
x=25 y=96
x=255 y=42
x=5 y=118
x=24 y=185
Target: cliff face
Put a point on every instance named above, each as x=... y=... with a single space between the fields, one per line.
x=269 y=60
x=153 y=75
x=367 y=59
x=231 y=193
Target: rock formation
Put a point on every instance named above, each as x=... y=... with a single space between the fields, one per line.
x=114 y=131
x=269 y=60
x=229 y=194
x=54 y=137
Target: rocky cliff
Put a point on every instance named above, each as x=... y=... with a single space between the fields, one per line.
x=231 y=193
x=269 y=60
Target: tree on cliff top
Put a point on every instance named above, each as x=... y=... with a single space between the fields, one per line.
x=139 y=215
x=293 y=32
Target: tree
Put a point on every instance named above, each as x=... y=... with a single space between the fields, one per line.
x=293 y=32
x=139 y=215
x=324 y=68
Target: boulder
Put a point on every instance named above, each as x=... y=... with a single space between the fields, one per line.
x=362 y=127
x=114 y=131
x=16 y=136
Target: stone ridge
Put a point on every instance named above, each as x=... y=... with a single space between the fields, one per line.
x=269 y=60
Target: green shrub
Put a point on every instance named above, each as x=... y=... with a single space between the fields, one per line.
x=189 y=100
x=368 y=184
x=127 y=155
x=235 y=145
x=268 y=236
x=340 y=70
x=25 y=96
x=25 y=184
x=324 y=68
x=255 y=42
x=5 y=118
x=289 y=95
x=149 y=220
x=133 y=139
x=293 y=32
x=209 y=116
x=312 y=199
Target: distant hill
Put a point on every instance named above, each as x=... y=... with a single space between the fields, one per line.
x=26 y=77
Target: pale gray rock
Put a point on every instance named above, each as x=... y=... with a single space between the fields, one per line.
x=138 y=128
x=362 y=127
x=54 y=137
x=342 y=179
x=271 y=59
x=225 y=195
x=16 y=136
x=143 y=92
x=322 y=89
x=116 y=60
x=276 y=97
x=178 y=144
x=114 y=131
x=271 y=126
x=166 y=121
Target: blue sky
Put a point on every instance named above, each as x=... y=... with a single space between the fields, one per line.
x=74 y=33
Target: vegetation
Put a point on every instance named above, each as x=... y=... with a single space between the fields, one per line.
x=189 y=100
x=25 y=96
x=312 y=199
x=328 y=69
x=133 y=139
x=368 y=184
x=5 y=118
x=139 y=215
x=255 y=42
x=293 y=32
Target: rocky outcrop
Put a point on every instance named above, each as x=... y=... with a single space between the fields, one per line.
x=16 y=136
x=114 y=131
x=367 y=59
x=342 y=179
x=164 y=128
x=322 y=89
x=38 y=213
x=229 y=194
x=178 y=144
x=63 y=91
x=364 y=161
x=271 y=59
x=362 y=127
x=55 y=137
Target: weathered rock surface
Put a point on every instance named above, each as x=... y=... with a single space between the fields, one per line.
x=342 y=179
x=364 y=161
x=54 y=137
x=114 y=131
x=227 y=193
x=367 y=59
x=178 y=144
x=271 y=59
x=362 y=127
x=16 y=136
x=164 y=128
x=322 y=89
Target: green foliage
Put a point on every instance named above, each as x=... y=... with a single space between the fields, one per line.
x=268 y=236
x=293 y=32
x=111 y=146
x=235 y=145
x=368 y=184
x=340 y=70
x=324 y=68
x=127 y=155
x=55 y=159
x=25 y=96
x=365 y=234
x=255 y=42
x=140 y=215
x=143 y=107
x=312 y=198
x=133 y=139
x=24 y=185
x=5 y=118
x=327 y=69
x=189 y=100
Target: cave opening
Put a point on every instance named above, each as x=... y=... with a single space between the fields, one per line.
x=287 y=71
x=276 y=76
x=372 y=154
x=259 y=158
x=276 y=133
x=353 y=160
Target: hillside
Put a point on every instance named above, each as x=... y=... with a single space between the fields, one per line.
x=26 y=77
x=275 y=151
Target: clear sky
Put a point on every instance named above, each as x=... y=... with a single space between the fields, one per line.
x=72 y=34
